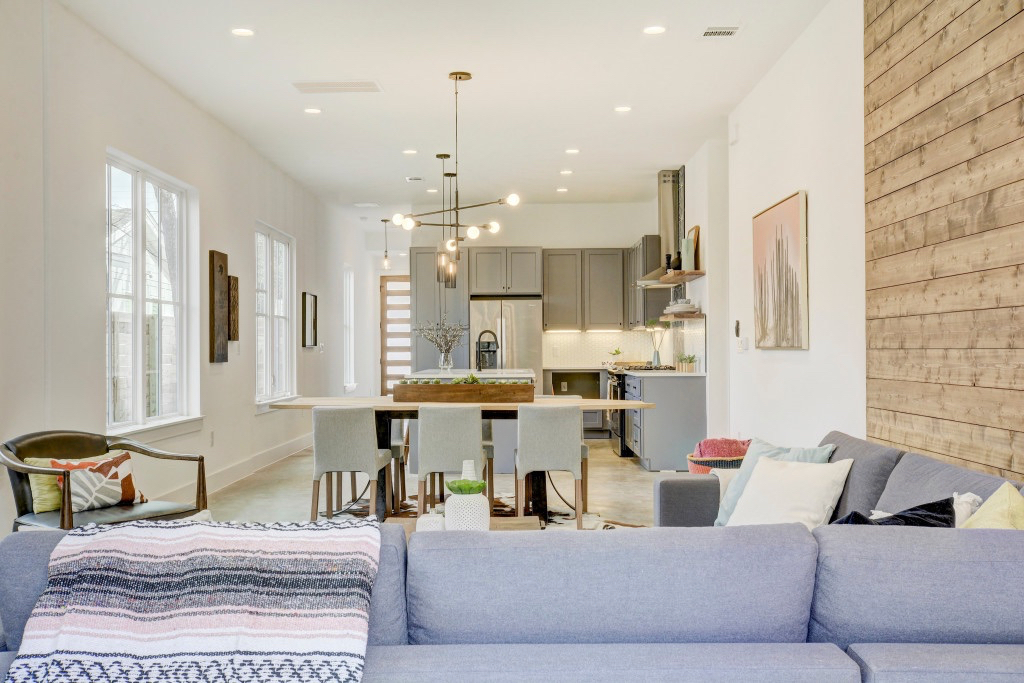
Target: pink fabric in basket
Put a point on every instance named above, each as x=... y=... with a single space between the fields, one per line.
x=718 y=449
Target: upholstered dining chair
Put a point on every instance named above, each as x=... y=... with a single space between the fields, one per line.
x=71 y=445
x=446 y=436
x=550 y=441
x=584 y=449
x=345 y=440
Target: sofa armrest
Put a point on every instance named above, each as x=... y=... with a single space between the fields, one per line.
x=686 y=500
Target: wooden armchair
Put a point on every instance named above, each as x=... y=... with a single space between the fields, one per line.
x=67 y=445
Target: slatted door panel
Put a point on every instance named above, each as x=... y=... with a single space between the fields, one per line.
x=944 y=213
x=395 y=331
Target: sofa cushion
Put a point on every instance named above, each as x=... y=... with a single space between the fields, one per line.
x=872 y=465
x=918 y=479
x=6 y=658
x=388 y=624
x=930 y=663
x=710 y=663
x=644 y=585
x=24 y=561
x=917 y=585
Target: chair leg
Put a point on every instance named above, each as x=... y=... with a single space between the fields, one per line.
x=337 y=489
x=373 y=498
x=433 y=484
x=440 y=487
x=330 y=498
x=579 y=503
x=583 y=469
x=396 y=488
x=520 y=496
x=352 y=483
x=316 y=501
x=389 y=491
x=421 y=498
x=401 y=477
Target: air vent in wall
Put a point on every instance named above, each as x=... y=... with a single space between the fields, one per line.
x=720 y=31
x=328 y=87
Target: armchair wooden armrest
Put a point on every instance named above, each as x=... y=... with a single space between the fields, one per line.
x=142 y=449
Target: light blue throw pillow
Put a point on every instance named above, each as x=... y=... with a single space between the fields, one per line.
x=762 y=449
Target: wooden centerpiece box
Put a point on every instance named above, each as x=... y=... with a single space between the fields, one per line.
x=463 y=393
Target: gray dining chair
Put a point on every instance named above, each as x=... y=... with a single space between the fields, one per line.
x=584 y=449
x=345 y=440
x=446 y=436
x=550 y=441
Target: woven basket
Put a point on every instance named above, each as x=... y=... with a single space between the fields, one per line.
x=699 y=465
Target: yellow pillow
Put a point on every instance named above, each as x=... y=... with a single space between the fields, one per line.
x=45 y=491
x=1004 y=509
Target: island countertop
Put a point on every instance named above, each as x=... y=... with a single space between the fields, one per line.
x=510 y=373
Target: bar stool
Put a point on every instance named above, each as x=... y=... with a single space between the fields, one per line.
x=345 y=440
x=447 y=435
x=550 y=441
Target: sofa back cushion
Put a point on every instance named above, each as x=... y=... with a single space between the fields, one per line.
x=917 y=585
x=388 y=624
x=918 y=479
x=682 y=585
x=872 y=465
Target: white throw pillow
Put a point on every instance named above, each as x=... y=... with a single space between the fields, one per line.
x=780 y=492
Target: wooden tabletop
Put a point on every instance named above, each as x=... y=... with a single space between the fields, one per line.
x=386 y=404
x=530 y=523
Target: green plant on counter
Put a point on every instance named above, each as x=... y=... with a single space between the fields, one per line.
x=686 y=358
x=466 y=486
x=616 y=352
x=403 y=381
x=437 y=381
x=468 y=379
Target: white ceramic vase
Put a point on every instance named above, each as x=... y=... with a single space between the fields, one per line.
x=467 y=512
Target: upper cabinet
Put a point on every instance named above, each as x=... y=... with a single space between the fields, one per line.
x=500 y=271
x=563 y=289
x=643 y=304
x=603 y=272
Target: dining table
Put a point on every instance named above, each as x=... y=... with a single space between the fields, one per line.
x=386 y=409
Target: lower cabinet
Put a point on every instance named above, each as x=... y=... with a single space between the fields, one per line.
x=662 y=437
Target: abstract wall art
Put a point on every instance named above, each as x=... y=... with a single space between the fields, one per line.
x=220 y=295
x=780 y=275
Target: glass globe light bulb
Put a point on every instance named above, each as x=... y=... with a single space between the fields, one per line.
x=397 y=219
x=450 y=245
x=493 y=227
x=512 y=199
x=408 y=224
x=472 y=232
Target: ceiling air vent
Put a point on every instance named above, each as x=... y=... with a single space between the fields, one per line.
x=721 y=31
x=330 y=87
x=413 y=178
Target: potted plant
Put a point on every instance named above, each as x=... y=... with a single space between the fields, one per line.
x=445 y=336
x=686 y=362
x=467 y=508
x=657 y=328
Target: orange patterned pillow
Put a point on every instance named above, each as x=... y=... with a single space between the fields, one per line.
x=100 y=484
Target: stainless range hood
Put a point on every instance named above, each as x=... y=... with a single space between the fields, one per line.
x=668 y=219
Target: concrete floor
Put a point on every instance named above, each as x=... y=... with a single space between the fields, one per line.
x=621 y=491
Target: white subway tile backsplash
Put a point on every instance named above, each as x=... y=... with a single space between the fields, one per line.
x=591 y=349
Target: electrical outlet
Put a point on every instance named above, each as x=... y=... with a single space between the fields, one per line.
x=565 y=386
x=211 y=438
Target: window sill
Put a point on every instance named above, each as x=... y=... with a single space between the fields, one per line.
x=164 y=429
x=264 y=407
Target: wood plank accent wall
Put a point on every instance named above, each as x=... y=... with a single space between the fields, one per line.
x=944 y=213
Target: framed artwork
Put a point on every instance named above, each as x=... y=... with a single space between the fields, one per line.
x=308 y=319
x=233 y=308
x=780 y=275
x=220 y=295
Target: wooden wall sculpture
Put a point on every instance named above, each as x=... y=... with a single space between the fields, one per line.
x=220 y=295
x=944 y=165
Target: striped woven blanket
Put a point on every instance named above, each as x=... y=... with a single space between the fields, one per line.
x=189 y=601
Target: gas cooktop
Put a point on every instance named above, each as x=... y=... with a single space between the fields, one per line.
x=634 y=367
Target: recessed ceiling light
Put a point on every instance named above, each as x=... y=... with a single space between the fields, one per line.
x=562 y=189
x=572 y=151
x=312 y=110
x=623 y=109
x=242 y=32
x=403 y=253
x=367 y=205
x=408 y=151
x=432 y=190
x=654 y=30
x=566 y=172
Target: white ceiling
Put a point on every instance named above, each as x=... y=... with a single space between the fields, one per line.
x=546 y=77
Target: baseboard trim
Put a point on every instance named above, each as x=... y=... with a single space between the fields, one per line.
x=240 y=470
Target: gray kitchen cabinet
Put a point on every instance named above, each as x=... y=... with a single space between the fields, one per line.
x=498 y=271
x=429 y=299
x=602 y=289
x=644 y=303
x=661 y=437
x=524 y=273
x=563 y=289
x=487 y=267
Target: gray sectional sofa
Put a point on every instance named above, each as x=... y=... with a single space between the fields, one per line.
x=881 y=478
x=762 y=604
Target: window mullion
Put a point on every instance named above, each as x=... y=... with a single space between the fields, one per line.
x=138 y=298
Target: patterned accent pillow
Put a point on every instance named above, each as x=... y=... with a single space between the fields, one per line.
x=95 y=484
x=46 y=487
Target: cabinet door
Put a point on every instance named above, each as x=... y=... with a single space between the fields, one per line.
x=486 y=270
x=563 y=289
x=602 y=292
x=523 y=271
x=627 y=290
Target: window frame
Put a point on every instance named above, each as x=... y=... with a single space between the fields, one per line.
x=183 y=292
x=272 y=234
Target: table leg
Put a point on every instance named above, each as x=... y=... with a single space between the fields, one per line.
x=383 y=421
x=538 y=495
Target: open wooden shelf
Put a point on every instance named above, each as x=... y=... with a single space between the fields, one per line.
x=679 y=277
x=669 y=317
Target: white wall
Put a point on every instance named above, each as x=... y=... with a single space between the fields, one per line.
x=707 y=205
x=71 y=96
x=801 y=128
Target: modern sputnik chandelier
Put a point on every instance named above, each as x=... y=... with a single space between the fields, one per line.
x=449 y=215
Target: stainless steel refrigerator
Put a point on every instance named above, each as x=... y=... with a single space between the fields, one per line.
x=519 y=326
